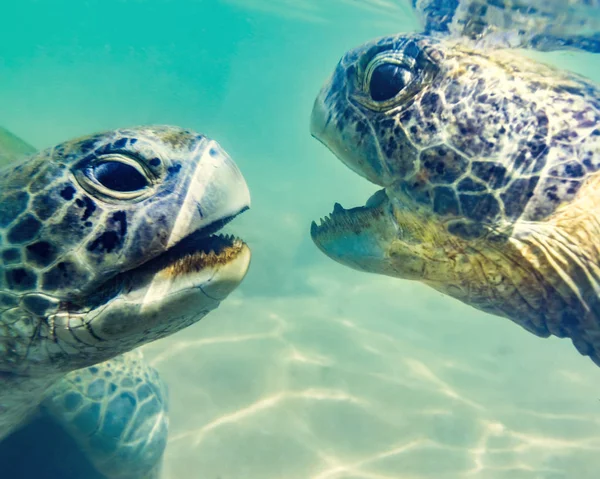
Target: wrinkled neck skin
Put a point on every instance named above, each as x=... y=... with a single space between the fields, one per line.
x=542 y=276
x=133 y=311
x=566 y=256
x=140 y=309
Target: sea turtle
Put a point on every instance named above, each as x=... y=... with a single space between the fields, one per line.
x=490 y=168
x=108 y=242
x=544 y=25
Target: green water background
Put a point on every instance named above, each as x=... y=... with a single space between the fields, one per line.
x=310 y=370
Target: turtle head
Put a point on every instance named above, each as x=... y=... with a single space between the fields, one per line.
x=109 y=240
x=356 y=114
x=371 y=113
x=474 y=176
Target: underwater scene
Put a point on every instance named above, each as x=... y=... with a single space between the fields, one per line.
x=404 y=336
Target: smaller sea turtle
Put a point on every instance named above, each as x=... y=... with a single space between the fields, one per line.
x=107 y=243
x=489 y=164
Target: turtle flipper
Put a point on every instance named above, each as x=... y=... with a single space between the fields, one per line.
x=12 y=147
x=544 y=25
x=116 y=413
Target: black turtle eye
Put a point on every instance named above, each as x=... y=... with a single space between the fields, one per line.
x=387 y=80
x=119 y=176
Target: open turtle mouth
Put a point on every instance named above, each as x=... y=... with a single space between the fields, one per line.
x=352 y=219
x=202 y=249
x=199 y=252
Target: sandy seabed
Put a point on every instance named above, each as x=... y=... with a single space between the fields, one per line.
x=374 y=378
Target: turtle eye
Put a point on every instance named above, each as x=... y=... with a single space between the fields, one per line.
x=119 y=176
x=387 y=80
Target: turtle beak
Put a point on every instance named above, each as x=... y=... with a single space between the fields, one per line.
x=349 y=138
x=217 y=190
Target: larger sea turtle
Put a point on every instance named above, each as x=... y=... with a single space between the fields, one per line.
x=489 y=163
x=106 y=243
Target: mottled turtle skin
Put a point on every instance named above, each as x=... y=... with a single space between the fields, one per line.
x=545 y=25
x=489 y=166
x=104 y=247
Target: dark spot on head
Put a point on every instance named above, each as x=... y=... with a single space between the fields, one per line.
x=411 y=49
x=174 y=168
x=41 y=253
x=391 y=146
x=11 y=206
x=106 y=242
x=361 y=127
x=25 y=230
x=480 y=207
x=444 y=201
x=430 y=103
x=518 y=194
x=555 y=191
x=20 y=279
x=571 y=170
x=442 y=165
x=37 y=304
x=67 y=192
x=121 y=218
x=405 y=117
x=470 y=185
x=154 y=162
x=419 y=190
x=120 y=143
x=45 y=205
x=12 y=255
x=88 y=144
x=90 y=207
x=7 y=300
x=493 y=174
x=551 y=193
x=64 y=275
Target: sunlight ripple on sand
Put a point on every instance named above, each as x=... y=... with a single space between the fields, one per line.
x=345 y=384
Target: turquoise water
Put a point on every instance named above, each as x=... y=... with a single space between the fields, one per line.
x=309 y=370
